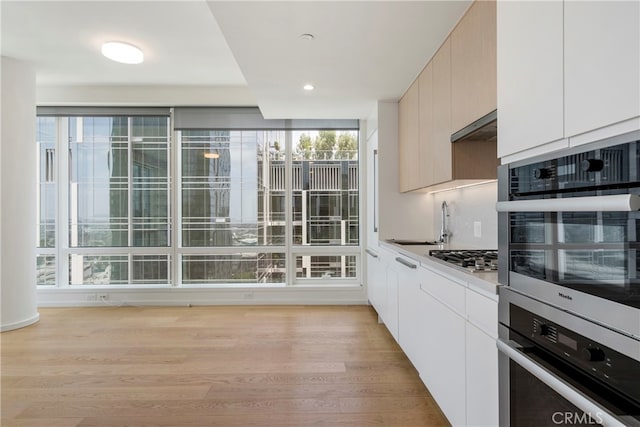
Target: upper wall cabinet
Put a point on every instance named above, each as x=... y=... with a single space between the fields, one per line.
x=426 y=125
x=573 y=82
x=469 y=71
x=473 y=65
x=439 y=136
x=602 y=63
x=408 y=135
x=530 y=89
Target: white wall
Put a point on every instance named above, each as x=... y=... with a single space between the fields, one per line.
x=18 y=194
x=466 y=206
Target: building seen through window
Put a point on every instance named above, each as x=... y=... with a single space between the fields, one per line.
x=214 y=206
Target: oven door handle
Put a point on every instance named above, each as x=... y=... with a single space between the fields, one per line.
x=614 y=203
x=561 y=387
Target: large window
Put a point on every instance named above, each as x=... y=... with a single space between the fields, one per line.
x=126 y=206
x=114 y=186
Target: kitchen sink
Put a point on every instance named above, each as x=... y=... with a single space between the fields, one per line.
x=413 y=242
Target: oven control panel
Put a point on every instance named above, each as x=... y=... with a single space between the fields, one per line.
x=589 y=356
x=599 y=168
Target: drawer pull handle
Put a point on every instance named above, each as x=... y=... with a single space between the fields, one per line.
x=406 y=263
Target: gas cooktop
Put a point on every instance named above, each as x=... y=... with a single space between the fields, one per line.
x=476 y=260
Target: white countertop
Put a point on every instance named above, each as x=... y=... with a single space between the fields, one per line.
x=485 y=282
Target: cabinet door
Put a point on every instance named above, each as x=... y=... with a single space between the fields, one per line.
x=376 y=283
x=440 y=137
x=482 y=378
x=408 y=134
x=530 y=57
x=391 y=310
x=602 y=63
x=409 y=312
x=443 y=369
x=473 y=65
x=428 y=157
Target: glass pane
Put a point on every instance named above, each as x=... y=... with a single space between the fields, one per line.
x=151 y=269
x=150 y=129
x=226 y=188
x=46 y=270
x=46 y=141
x=98 y=269
x=98 y=129
x=234 y=268
x=150 y=194
x=99 y=211
x=326 y=266
x=325 y=188
x=98 y=185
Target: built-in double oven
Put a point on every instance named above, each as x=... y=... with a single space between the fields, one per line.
x=569 y=257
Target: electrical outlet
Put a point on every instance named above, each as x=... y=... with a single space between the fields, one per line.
x=103 y=297
x=248 y=295
x=477 y=229
x=92 y=297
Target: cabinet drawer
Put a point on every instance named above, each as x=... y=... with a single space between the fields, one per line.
x=444 y=289
x=482 y=312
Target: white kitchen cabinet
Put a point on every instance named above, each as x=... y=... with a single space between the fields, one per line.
x=602 y=63
x=530 y=71
x=411 y=336
x=568 y=74
x=391 y=320
x=481 y=360
x=481 y=378
x=443 y=370
x=389 y=290
x=376 y=282
x=447 y=327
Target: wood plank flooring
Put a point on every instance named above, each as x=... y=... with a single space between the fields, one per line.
x=210 y=366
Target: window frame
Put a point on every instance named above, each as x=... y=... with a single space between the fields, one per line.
x=175 y=251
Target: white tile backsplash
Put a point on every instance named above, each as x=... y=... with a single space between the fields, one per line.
x=472 y=211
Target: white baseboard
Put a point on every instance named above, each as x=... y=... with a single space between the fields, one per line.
x=21 y=324
x=292 y=295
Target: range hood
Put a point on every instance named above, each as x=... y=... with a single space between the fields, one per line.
x=483 y=129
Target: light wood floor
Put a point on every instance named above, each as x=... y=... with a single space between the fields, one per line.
x=210 y=366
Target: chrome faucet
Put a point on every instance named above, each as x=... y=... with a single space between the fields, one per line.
x=444 y=232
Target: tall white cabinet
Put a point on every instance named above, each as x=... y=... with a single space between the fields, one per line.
x=568 y=73
x=602 y=63
x=530 y=75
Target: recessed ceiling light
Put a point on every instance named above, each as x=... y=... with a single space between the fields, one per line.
x=307 y=36
x=308 y=87
x=122 y=52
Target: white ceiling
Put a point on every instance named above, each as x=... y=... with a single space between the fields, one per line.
x=363 y=51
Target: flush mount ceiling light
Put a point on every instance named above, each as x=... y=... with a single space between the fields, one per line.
x=122 y=52
x=308 y=86
x=211 y=155
x=307 y=36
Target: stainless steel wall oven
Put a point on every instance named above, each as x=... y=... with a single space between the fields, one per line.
x=560 y=369
x=569 y=255
x=569 y=231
